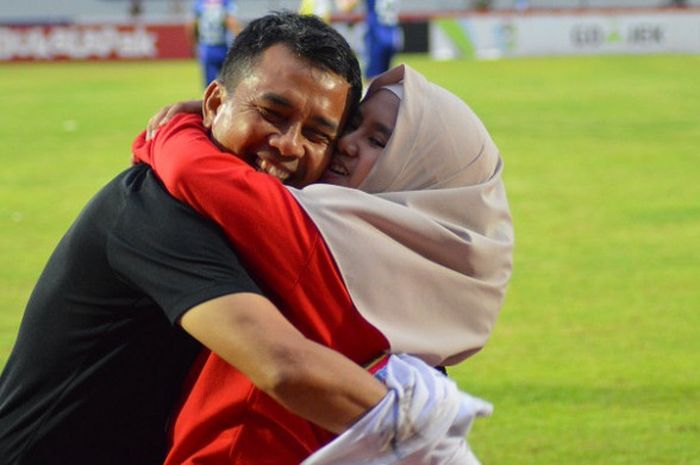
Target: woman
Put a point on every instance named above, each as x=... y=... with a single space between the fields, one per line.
x=416 y=259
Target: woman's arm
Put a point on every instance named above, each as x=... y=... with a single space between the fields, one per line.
x=259 y=216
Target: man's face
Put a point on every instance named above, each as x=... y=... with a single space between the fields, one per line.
x=282 y=118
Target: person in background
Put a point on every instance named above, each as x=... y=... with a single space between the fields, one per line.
x=135 y=8
x=320 y=8
x=213 y=28
x=324 y=8
x=383 y=37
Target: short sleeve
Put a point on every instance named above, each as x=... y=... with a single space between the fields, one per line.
x=170 y=253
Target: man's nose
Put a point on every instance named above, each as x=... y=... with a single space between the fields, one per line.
x=289 y=141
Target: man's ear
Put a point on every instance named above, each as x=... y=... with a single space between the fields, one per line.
x=214 y=95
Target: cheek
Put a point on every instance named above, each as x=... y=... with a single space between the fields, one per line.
x=365 y=162
x=369 y=159
x=232 y=133
x=318 y=161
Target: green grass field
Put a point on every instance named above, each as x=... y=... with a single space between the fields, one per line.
x=596 y=356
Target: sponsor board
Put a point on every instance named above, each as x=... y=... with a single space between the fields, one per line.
x=93 y=42
x=495 y=36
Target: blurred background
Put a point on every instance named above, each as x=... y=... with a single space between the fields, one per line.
x=80 y=10
x=594 y=105
x=155 y=29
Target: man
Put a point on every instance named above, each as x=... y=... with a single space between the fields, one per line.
x=101 y=352
x=212 y=29
x=383 y=36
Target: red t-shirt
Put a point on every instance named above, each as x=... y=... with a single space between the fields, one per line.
x=224 y=417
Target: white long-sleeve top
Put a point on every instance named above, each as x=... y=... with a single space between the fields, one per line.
x=423 y=420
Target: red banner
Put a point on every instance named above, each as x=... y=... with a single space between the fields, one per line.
x=94 y=42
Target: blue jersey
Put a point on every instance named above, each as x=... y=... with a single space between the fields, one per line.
x=382 y=13
x=383 y=36
x=211 y=21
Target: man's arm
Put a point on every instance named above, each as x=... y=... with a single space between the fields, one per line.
x=163 y=249
x=310 y=380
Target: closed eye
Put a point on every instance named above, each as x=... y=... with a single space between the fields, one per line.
x=271 y=115
x=318 y=137
x=380 y=135
x=377 y=142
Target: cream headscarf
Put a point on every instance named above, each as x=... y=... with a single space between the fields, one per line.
x=425 y=243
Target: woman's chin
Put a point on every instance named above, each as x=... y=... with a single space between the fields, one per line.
x=329 y=177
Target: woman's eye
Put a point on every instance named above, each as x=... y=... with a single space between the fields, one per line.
x=377 y=142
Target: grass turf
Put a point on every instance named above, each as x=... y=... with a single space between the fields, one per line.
x=595 y=356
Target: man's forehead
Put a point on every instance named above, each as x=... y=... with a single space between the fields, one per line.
x=279 y=58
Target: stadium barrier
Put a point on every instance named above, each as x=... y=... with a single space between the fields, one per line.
x=93 y=42
x=447 y=36
x=516 y=34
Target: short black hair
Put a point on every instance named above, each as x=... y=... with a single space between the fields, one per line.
x=307 y=37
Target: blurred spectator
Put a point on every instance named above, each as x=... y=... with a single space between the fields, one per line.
x=383 y=38
x=213 y=28
x=135 y=8
x=320 y=8
x=324 y=8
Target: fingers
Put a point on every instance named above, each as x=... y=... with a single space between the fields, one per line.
x=166 y=113
x=157 y=120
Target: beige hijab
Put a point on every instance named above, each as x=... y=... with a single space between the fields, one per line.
x=425 y=243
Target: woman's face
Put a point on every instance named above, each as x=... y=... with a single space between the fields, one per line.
x=364 y=140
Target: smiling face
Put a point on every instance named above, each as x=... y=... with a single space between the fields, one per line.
x=364 y=140
x=281 y=118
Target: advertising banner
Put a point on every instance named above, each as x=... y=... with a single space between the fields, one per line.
x=494 y=36
x=94 y=42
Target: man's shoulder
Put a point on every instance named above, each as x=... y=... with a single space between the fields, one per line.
x=134 y=195
x=146 y=209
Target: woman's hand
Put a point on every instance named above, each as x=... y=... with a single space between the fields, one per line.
x=167 y=112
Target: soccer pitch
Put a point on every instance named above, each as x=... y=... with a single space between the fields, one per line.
x=595 y=357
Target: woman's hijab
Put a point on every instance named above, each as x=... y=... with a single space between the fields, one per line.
x=425 y=243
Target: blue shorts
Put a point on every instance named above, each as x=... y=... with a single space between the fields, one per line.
x=212 y=59
x=380 y=46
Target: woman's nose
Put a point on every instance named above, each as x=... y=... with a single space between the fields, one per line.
x=347 y=145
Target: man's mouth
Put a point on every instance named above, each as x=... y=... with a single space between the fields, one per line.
x=338 y=168
x=274 y=170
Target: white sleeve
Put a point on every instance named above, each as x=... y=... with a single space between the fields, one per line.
x=424 y=419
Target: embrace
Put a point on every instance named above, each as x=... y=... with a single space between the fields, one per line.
x=215 y=304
